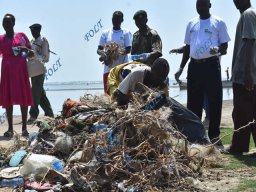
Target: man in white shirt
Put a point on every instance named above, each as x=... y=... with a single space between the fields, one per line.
x=122 y=37
x=40 y=46
x=205 y=40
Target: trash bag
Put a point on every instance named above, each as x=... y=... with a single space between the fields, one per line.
x=156 y=102
x=181 y=118
x=187 y=122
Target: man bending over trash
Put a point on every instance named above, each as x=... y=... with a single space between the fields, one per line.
x=123 y=79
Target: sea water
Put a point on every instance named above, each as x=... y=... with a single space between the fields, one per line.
x=58 y=92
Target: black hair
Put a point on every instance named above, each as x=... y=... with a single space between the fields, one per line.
x=161 y=68
x=140 y=14
x=11 y=16
x=118 y=14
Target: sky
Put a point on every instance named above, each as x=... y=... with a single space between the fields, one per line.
x=73 y=29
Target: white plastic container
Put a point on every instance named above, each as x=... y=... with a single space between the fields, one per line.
x=38 y=165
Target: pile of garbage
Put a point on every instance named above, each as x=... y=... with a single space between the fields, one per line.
x=95 y=146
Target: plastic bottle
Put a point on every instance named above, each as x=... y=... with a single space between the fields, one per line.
x=12 y=182
x=57 y=165
x=142 y=56
x=39 y=164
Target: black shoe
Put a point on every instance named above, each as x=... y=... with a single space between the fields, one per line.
x=52 y=116
x=8 y=134
x=230 y=151
x=218 y=144
x=25 y=133
x=31 y=120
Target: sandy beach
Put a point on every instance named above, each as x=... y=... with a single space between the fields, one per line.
x=226 y=121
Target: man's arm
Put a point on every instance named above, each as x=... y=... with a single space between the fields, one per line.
x=248 y=63
x=178 y=50
x=223 y=48
x=185 y=58
x=103 y=56
x=156 y=47
x=45 y=50
x=128 y=85
x=128 y=42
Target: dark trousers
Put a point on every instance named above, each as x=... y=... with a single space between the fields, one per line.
x=39 y=97
x=205 y=78
x=244 y=112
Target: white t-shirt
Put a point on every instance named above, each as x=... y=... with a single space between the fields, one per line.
x=203 y=34
x=123 y=37
x=135 y=76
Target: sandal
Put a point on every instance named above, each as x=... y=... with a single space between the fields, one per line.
x=25 y=133
x=8 y=134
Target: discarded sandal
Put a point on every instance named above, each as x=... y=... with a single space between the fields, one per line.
x=25 y=133
x=8 y=134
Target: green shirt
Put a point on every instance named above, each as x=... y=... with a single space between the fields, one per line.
x=146 y=42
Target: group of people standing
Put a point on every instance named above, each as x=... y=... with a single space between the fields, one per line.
x=15 y=89
x=206 y=40
x=119 y=80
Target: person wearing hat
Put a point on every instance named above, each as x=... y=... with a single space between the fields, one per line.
x=122 y=79
x=120 y=36
x=40 y=46
x=145 y=40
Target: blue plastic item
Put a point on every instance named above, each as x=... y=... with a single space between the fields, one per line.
x=142 y=56
x=57 y=165
x=17 y=157
x=24 y=54
x=96 y=127
x=155 y=103
x=112 y=139
x=32 y=136
x=13 y=183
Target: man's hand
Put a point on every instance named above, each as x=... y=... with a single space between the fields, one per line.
x=31 y=53
x=178 y=50
x=177 y=75
x=214 y=50
x=175 y=51
x=249 y=85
